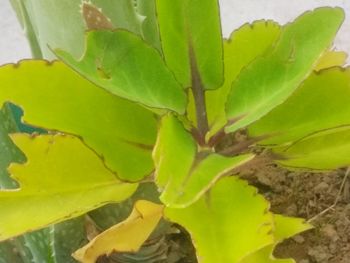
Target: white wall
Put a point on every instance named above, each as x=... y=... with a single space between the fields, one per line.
x=13 y=45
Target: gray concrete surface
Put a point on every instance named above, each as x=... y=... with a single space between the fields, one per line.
x=13 y=45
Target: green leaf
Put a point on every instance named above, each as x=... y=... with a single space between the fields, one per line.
x=185 y=24
x=8 y=253
x=54 y=97
x=285 y=227
x=270 y=80
x=183 y=172
x=48 y=17
x=244 y=46
x=8 y=150
x=228 y=224
x=125 y=65
x=38 y=243
x=322 y=102
x=326 y=150
x=53 y=244
x=17 y=114
x=66 y=237
x=57 y=184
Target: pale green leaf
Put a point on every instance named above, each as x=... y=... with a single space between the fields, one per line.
x=59 y=23
x=326 y=150
x=55 y=97
x=127 y=236
x=285 y=227
x=229 y=223
x=27 y=25
x=270 y=80
x=150 y=31
x=47 y=16
x=322 y=102
x=244 y=46
x=184 y=172
x=64 y=179
x=185 y=24
x=125 y=65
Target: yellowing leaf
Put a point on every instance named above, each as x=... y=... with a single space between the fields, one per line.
x=127 y=236
x=285 y=227
x=331 y=59
x=54 y=97
x=322 y=102
x=183 y=172
x=62 y=179
x=228 y=223
x=325 y=150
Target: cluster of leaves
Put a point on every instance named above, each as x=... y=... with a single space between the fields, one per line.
x=149 y=106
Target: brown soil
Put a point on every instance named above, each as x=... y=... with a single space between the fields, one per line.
x=311 y=196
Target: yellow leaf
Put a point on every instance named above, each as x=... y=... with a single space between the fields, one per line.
x=127 y=236
x=331 y=59
x=61 y=180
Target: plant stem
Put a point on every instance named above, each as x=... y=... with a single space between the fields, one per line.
x=199 y=96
